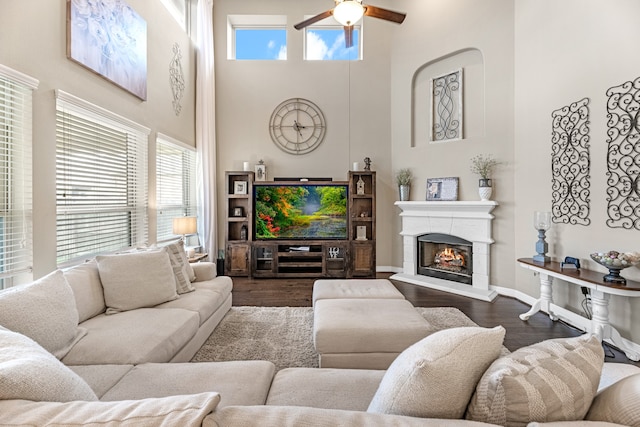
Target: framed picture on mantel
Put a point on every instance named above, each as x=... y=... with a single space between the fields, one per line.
x=442 y=189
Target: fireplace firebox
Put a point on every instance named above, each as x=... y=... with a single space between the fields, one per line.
x=446 y=257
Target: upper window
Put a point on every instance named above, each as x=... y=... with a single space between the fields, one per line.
x=257 y=37
x=324 y=41
x=175 y=184
x=101 y=180
x=16 y=249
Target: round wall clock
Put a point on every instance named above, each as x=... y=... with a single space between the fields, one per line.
x=297 y=126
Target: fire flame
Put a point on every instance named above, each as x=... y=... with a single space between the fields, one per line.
x=448 y=255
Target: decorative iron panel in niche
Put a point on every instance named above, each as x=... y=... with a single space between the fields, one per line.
x=446 y=107
x=570 y=164
x=623 y=156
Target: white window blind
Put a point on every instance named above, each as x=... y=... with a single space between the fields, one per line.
x=16 y=222
x=175 y=184
x=101 y=180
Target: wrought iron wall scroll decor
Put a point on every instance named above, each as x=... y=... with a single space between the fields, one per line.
x=623 y=155
x=446 y=106
x=570 y=164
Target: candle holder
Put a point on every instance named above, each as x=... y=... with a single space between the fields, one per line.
x=541 y=222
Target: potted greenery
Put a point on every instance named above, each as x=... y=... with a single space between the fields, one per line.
x=483 y=165
x=403 y=178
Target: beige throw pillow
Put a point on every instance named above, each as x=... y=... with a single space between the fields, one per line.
x=136 y=280
x=181 y=268
x=435 y=377
x=554 y=380
x=45 y=311
x=28 y=371
x=618 y=403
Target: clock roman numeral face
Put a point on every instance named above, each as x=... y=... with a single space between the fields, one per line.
x=297 y=126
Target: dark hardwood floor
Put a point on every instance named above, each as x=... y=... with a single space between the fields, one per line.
x=502 y=311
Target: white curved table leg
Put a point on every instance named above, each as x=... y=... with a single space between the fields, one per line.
x=545 y=301
x=603 y=329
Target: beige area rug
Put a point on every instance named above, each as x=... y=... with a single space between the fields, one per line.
x=283 y=335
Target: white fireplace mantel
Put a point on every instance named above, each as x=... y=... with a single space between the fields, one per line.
x=470 y=220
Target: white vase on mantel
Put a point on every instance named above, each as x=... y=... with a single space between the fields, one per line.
x=485 y=189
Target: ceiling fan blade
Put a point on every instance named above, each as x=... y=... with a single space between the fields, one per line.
x=387 y=15
x=313 y=19
x=348 y=36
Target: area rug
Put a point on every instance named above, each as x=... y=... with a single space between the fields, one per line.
x=283 y=335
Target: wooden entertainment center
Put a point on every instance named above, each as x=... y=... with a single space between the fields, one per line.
x=354 y=256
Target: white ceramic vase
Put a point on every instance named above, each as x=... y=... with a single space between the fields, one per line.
x=485 y=189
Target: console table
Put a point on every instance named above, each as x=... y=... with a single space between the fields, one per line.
x=600 y=293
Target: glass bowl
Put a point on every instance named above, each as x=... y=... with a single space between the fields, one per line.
x=615 y=262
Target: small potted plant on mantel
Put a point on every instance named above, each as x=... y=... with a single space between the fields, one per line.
x=403 y=178
x=483 y=165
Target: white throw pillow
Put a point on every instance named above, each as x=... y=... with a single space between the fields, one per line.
x=29 y=372
x=435 y=377
x=136 y=280
x=554 y=380
x=181 y=267
x=45 y=311
x=619 y=403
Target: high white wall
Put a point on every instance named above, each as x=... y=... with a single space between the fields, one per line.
x=33 y=41
x=565 y=51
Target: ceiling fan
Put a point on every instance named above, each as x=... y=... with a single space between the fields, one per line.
x=348 y=12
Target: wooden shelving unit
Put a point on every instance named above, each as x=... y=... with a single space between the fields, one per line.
x=362 y=223
x=238 y=220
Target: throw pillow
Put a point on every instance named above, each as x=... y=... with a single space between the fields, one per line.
x=136 y=280
x=180 y=265
x=84 y=280
x=618 y=403
x=435 y=377
x=554 y=380
x=45 y=311
x=29 y=372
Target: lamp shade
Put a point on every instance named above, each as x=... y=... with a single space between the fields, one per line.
x=541 y=220
x=348 y=12
x=185 y=225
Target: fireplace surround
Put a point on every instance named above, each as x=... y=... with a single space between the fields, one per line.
x=463 y=221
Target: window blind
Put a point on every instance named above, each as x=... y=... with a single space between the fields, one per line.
x=16 y=222
x=101 y=180
x=175 y=184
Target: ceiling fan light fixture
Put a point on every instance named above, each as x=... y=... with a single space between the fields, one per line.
x=348 y=12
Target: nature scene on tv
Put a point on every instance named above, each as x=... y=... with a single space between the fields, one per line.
x=301 y=212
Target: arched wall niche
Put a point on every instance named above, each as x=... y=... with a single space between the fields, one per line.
x=471 y=61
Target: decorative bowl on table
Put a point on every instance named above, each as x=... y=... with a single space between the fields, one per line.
x=616 y=261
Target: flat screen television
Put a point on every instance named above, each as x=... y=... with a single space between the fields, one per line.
x=300 y=211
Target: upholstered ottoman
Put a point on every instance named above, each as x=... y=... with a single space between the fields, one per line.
x=354 y=289
x=365 y=333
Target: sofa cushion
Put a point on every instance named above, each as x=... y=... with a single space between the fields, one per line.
x=202 y=301
x=133 y=337
x=435 y=377
x=45 y=311
x=136 y=280
x=180 y=264
x=238 y=382
x=204 y=270
x=101 y=378
x=84 y=280
x=28 y=371
x=188 y=411
x=221 y=284
x=618 y=403
x=554 y=380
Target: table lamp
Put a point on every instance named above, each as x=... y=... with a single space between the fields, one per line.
x=185 y=225
x=541 y=222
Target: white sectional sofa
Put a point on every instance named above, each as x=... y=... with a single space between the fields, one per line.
x=65 y=361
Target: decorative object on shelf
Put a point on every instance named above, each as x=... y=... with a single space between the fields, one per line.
x=116 y=28
x=361 y=232
x=442 y=189
x=261 y=171
x=616 y=261
x=571 y=164
x=446 y=107
x=367 y=164
x=240 y=187
x=483 y=165
x=541 y=222
x=246 y=166
x=176 y=78
x=238 y=212
x=297 y=126
x=360 y=187
x=623 y=156
x=356 y=166
x=243 y=232
x=570 y=262
x=334 y=252
x=403 y=178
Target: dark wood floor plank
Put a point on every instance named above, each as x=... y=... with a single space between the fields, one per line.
x=503 y=311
